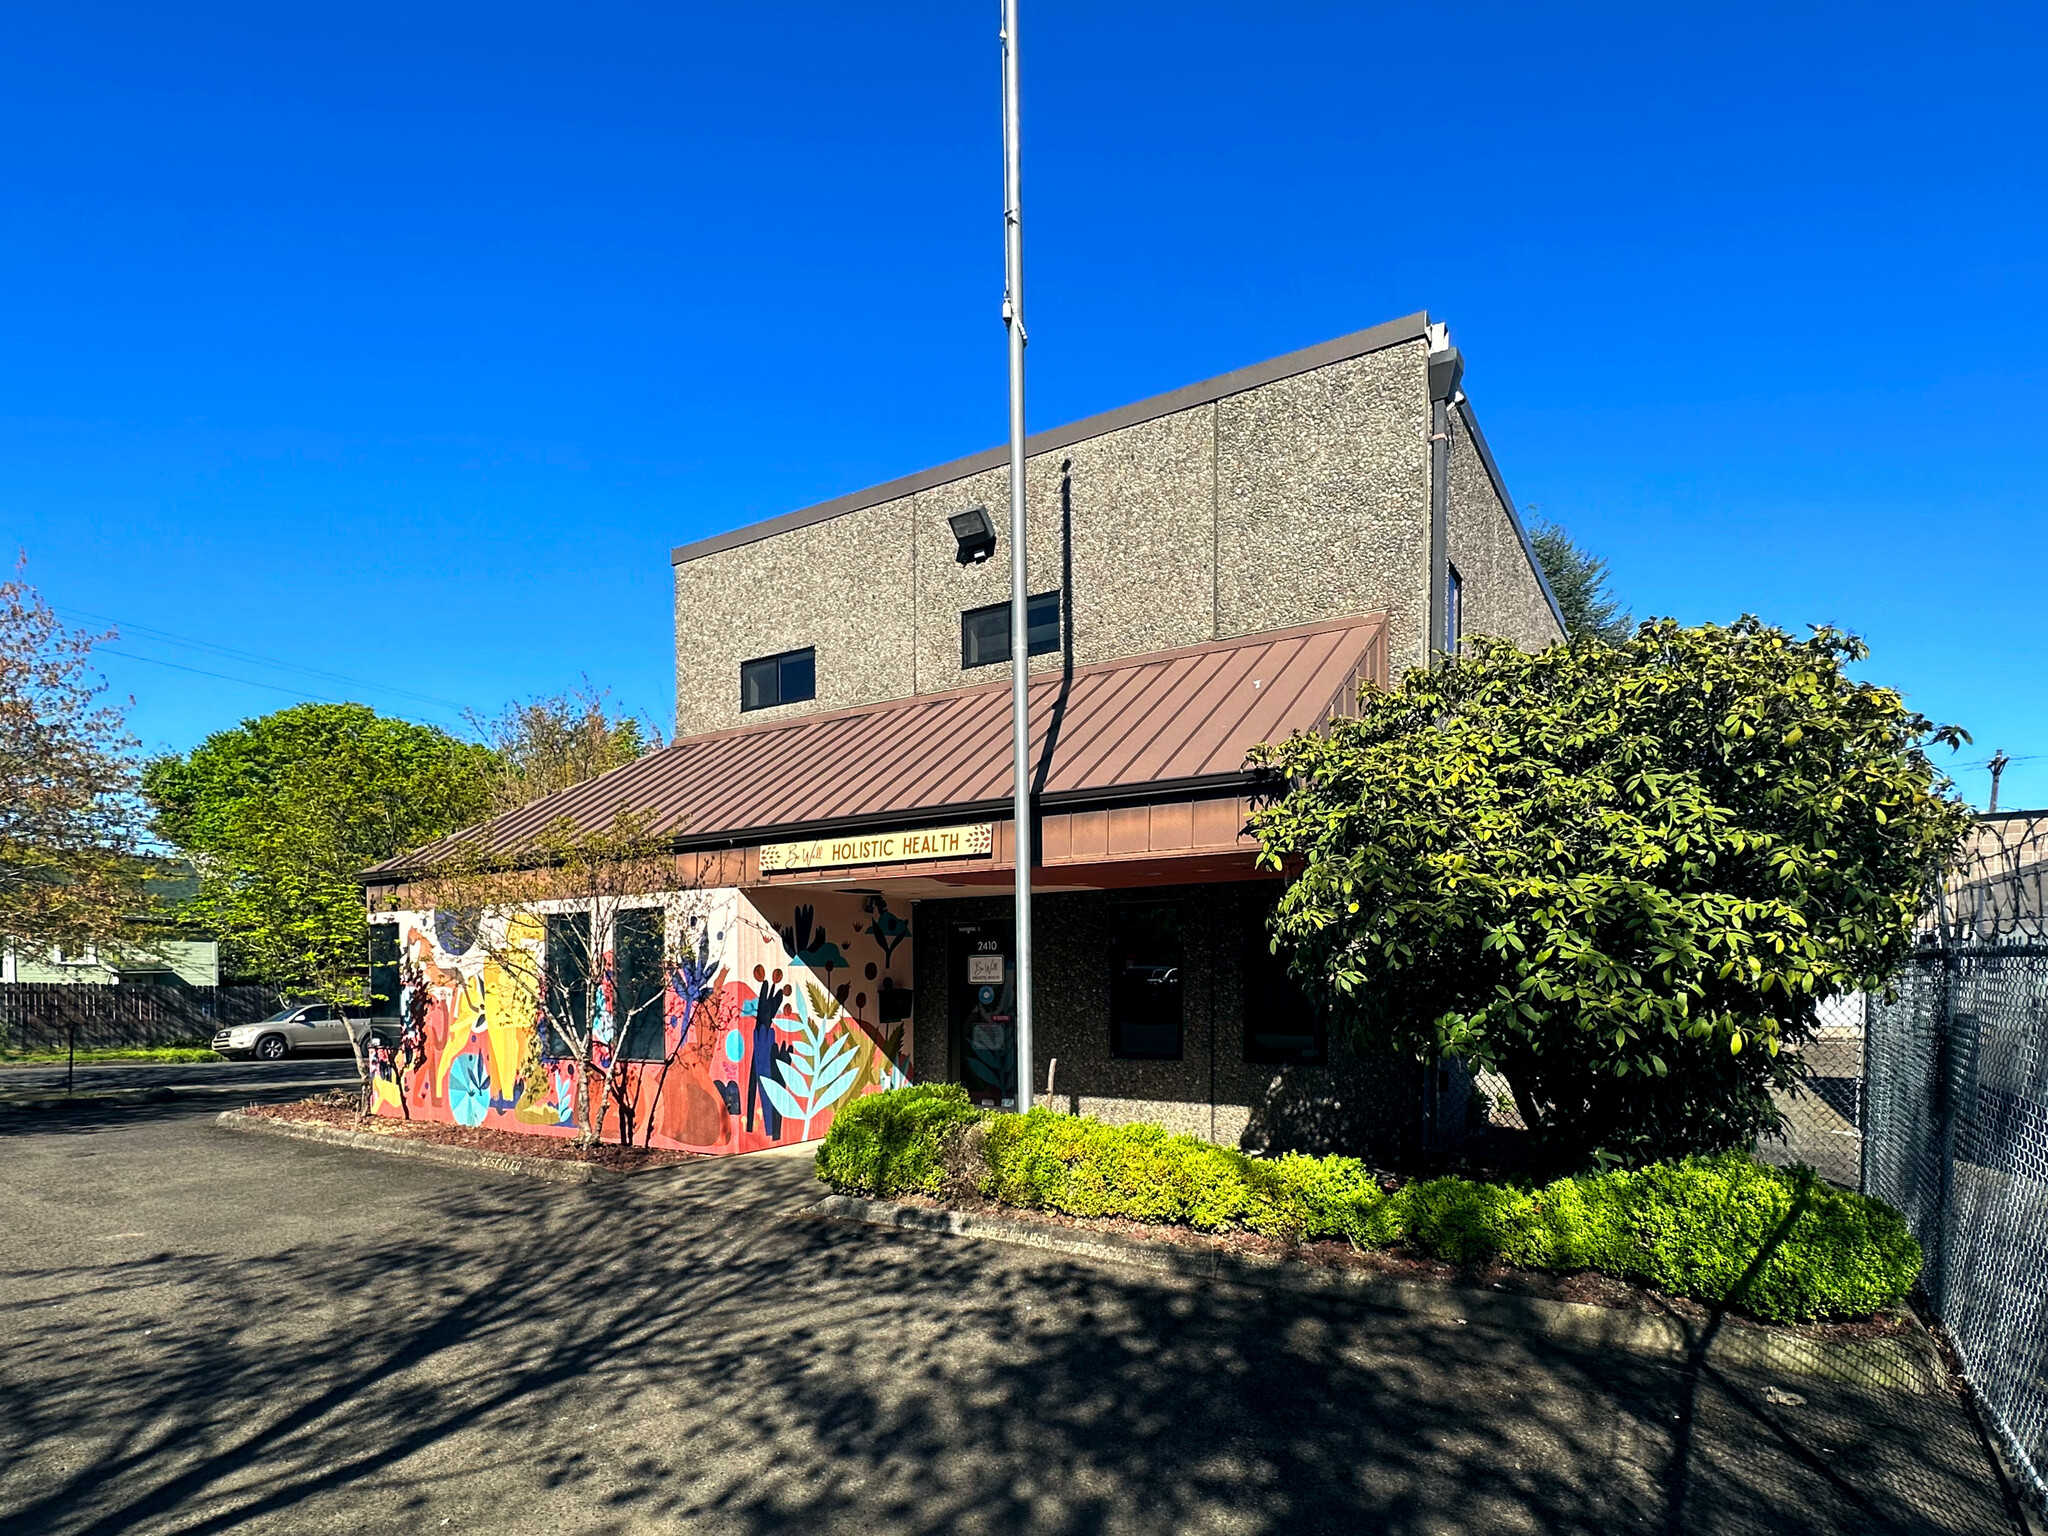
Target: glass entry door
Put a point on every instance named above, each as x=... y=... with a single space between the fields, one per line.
x=983 y=987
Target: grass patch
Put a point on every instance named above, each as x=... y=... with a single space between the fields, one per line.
x=1778 y=1242
x=165 y=1053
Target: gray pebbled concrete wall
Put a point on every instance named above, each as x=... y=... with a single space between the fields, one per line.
x=1502 y=595
x=1300 y=500
x=1361 y=1106
x=1324 y=500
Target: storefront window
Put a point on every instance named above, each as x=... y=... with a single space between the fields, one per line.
x=568 y=976
x=1145 y=982
x=637 y=982
x=1281 y=1025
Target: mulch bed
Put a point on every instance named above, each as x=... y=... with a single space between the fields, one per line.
x=1399 y=1263
x=338 y=1109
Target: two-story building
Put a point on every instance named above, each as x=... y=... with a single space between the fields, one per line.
x=1211 y=568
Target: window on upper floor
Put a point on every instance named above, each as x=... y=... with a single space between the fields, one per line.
x=985 y=632
x=1454 y=610
x=789 y=678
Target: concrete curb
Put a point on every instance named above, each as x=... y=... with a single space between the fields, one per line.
x=116 y=1097
x=1908 y=1363
x=553 y=1170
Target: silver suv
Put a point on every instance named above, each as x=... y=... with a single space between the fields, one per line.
x=301 y=1029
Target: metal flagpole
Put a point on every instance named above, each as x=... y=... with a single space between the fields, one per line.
x=1020 y=619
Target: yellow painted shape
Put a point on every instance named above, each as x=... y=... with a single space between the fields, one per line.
x=462 y=1013
x=509 y=1003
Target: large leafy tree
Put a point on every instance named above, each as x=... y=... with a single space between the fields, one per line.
x=1623 y=876
x=68 y=875
x=284 y=811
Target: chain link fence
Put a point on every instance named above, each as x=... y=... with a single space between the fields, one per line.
x=1954 y=1123
x=1957 y=1139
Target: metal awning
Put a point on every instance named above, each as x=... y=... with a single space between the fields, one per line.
x=1173 y=724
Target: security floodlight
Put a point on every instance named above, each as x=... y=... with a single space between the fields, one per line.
x=975 y=534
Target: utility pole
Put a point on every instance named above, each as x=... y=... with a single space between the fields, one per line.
x=1020 y=618
x=1997 y=767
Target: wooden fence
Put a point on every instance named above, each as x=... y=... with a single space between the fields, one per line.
x=45 y=1015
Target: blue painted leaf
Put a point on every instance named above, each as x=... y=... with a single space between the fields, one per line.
x=784 y=1101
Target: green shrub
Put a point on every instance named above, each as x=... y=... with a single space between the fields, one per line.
x=1145 y=1173
x=894 y=1143
x=1778 y=1242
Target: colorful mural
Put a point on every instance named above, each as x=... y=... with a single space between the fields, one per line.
x=776 y=1007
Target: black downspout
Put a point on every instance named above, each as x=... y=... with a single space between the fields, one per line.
x=1446 y=368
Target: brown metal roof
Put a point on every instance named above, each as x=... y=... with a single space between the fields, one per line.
x=1135 y=729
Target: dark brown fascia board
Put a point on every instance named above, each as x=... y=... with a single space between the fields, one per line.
x=1157 y=792
x=1500 y=489
x=1374 y=339
x=915 y=818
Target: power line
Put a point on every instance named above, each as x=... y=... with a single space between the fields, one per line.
x=260 y=660
x=250 y=682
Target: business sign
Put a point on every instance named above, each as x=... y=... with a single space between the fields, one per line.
x=975 y=841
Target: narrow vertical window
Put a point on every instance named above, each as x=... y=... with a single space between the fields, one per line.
x=567 y=1002
x=1454 y=611
x=637 y=983
x=383 y=970
x=1280 y=1023
x=1145 y=982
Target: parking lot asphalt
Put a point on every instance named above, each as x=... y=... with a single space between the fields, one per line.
x=207 y=1332
x=122 y=1076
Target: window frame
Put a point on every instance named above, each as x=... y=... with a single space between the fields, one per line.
x=1264 y=974
x=386 y=965
x=1046 y=647
x=1454 y=609
x=575 y=998
x=1119 y=1044
x=778 y=665
x=639 y=1001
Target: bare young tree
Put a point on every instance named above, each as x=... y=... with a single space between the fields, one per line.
x=590 y=931
x=69 y=872
x=544 y=744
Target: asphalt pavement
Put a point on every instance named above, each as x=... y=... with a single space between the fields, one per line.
x=123 y=1076
x=209 y=1332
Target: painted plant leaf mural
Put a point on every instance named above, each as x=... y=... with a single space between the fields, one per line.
x=820 y=1068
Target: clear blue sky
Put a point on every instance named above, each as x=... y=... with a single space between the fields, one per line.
x=402 y=342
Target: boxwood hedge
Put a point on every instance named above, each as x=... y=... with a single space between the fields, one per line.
x=1778 y=1242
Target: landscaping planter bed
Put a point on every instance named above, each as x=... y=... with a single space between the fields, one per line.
x=337 y=1112
x=1732 y=1235
x=1586 y=1288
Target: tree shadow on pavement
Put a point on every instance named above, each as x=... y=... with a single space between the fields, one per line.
x=679 y=1352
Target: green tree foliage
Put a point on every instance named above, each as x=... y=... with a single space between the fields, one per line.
x=1622 y=876
x=1578 y=580
x=283 y=812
